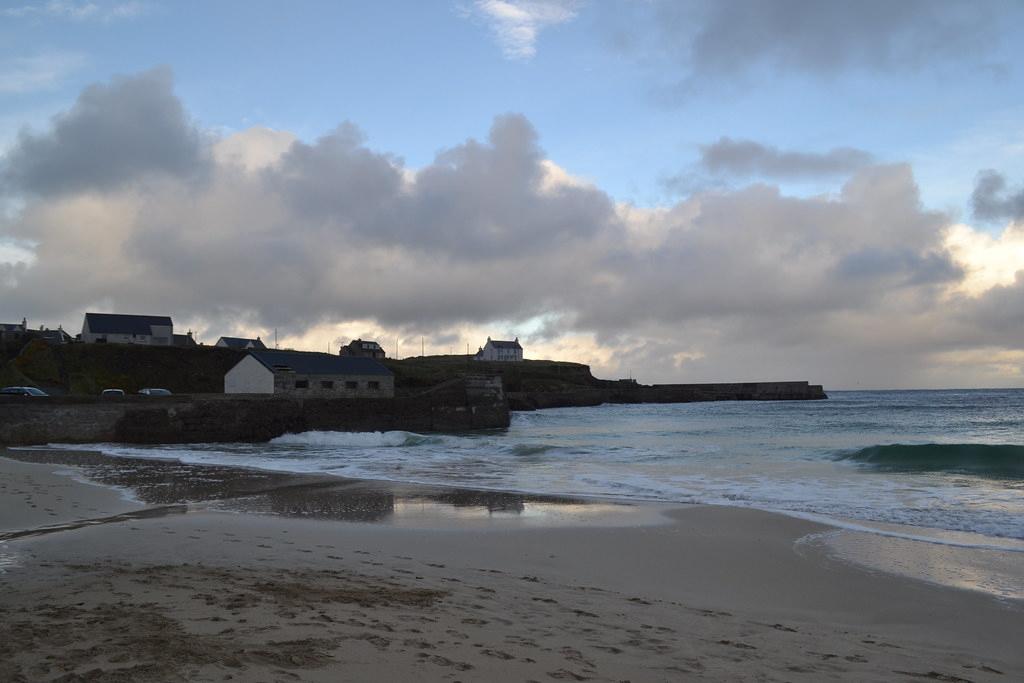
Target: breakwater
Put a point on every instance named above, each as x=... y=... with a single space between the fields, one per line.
x=462 y=404
x=631 y=392
x=465 y=404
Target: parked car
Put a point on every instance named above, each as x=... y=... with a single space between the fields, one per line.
x=152 y=391
x=23 y=391
x=112 y=393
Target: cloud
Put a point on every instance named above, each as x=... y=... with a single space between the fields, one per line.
x=988 y=261
x=118 y=133
x=319 y=239
x=749 y=158
x=516 y=24
x=76 y=11
x=992 y=201
x=40 y=72
x=715 y=42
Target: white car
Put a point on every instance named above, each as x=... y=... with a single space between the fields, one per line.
x=151 y=391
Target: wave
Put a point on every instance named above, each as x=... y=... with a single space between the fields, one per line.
x=1002 y=461
x=392 y=439
x=526 y=450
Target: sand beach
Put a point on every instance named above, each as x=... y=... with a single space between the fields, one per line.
x=155 y=571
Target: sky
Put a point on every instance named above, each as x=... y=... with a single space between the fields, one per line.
x=671 y=190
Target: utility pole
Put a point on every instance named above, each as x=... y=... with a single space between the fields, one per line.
x=275 y=338
x=421 y=347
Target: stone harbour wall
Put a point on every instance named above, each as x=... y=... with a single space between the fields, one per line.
x=468 y=404
x=631 y=392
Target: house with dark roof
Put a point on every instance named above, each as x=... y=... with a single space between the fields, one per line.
x=495 y=350
x=305 y=373
x=362 y=349
x=12 y=331
x=116 y=328
x=241 y=343
x=184 y=340
x=55 y=337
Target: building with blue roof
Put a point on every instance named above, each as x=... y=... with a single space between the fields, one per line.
x=241 y=343
x=305 y=373
x=117 y=328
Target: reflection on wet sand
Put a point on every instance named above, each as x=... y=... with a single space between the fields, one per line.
x=997 y=572
x=164 y=482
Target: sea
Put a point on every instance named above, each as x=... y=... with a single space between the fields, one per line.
x=941 y=467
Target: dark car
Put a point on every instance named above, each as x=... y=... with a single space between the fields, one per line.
x=23 y=391
x=152 y=391
x=112 y=393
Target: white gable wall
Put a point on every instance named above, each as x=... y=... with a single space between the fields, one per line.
x=249 y=376
x=494 y=353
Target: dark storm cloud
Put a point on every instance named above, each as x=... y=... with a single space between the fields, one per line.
x=999 y=314
x=905 y=264
x=114 y=134
x=717 y=42
x=478 y=199
x=993 y=201
x=339 y=179
x=749 y=158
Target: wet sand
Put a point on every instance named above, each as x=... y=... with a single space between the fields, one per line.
x=218 y=574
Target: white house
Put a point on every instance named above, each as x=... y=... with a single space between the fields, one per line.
x=303 y=373
x=508 y=351
x=115 y=328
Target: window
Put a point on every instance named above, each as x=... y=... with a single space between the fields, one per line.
x=373 y=385
x=326 y=384
x=302 y=384
x=351 y=385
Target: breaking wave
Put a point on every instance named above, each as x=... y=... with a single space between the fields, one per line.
x=984 y=460
x=393 y=439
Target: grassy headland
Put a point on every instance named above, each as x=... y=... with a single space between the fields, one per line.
x=87 y=369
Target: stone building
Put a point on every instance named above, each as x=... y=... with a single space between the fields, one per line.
x=303 y=373
x=362 y=349
x=115 y=328
x=494 y=350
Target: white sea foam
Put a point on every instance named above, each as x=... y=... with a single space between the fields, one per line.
x=354 y=439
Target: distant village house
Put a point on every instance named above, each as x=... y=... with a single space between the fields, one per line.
x=303 y=373
x=358 y=348
x=185 y=340
x=20 y=332
x=241 y=343
x=495 y=350
x=55 y=337
x=115 y=328
x=12 y=331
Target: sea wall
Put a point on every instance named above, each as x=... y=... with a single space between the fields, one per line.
x=627 y=392
x=467 y=404
x=631 y=392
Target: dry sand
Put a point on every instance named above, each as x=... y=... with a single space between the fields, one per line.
x=450 y=586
